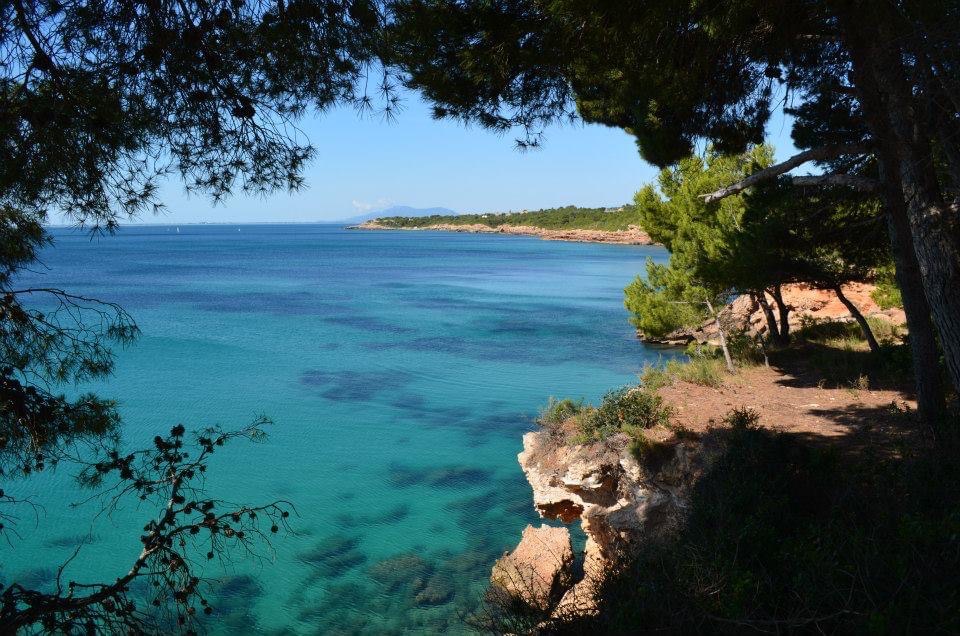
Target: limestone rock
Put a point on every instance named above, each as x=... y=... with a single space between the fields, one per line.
x=539 y=569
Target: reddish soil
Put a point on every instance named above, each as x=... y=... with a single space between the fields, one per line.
x=797 y=403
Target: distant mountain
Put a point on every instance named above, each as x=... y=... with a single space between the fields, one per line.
x=398 y=210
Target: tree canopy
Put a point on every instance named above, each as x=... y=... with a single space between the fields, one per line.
x=874 y=86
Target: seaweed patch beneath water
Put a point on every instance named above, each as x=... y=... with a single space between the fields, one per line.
x=453 y=477
x=333 y=556
x=353 y=386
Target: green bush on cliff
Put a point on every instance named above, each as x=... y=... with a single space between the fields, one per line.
x=626 y=409
x=558 y=411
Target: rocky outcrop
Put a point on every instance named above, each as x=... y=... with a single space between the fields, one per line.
x=633 y=235
x=806 y=303
x=618 y=500
x=540 y=568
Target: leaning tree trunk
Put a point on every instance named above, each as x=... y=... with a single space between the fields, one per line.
x=723 y=338
x=772 y=326
x=784 y=311
x=892 y=117
x=864 y=325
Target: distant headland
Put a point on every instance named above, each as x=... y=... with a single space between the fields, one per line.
x=570 y=223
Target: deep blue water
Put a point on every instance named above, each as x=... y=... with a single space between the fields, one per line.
x=401 y=369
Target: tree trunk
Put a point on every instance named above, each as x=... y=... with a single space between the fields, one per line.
x=864 y=325
x=880 y=77
x=772 y=329
x=723 y=339
x=784 y=311
x=923 y=341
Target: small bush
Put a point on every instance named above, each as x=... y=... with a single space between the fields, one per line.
x=702 y=370
x=654 y=377
x=742 y=417
x=745 y=349
x=887 y=293
x=623 y=409
x=558 y=411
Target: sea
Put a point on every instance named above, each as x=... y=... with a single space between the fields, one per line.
x=400 y=370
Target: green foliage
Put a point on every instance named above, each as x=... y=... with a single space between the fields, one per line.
x=566 y=218
x=627 y=409
x=558 y=411
x=745 y=349
x=787 y=533
x=665 y=301
x=99 y=102
x=703 y=270
x=702 y=370
x=650 y=453
x=887 y=293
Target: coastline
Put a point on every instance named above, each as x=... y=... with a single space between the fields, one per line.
x=631 y=236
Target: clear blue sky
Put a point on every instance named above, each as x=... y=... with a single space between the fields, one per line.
x=364 y=164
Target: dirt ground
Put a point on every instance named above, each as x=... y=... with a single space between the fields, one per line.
x=798 y=403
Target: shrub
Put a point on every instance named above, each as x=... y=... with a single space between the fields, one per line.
x=702 y=370
x=887 y=293
x=558 y=411
x=654 y=377
x=650 y=453
x=624 y=409
x=742 y=417
x=744 y=348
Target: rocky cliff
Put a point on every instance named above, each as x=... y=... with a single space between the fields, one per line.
x=618 y=500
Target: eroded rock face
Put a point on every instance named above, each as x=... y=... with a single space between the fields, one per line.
x=540 y=568
x=618 y=500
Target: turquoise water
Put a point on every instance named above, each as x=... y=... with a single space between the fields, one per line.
x=401 y=369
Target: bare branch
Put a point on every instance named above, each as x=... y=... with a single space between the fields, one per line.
x=863 y=184
x=814 y=154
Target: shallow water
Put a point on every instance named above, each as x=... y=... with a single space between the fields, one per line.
x=401 y=369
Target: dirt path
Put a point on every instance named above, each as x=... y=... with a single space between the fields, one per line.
x=798 y=404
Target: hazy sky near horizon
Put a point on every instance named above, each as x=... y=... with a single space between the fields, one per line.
x=364 y=163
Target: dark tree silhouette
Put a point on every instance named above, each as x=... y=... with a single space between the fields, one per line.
x=99 y=101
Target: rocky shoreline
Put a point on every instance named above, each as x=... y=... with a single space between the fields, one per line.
x=631 y=236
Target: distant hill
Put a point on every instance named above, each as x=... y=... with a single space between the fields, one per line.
x=400 y=210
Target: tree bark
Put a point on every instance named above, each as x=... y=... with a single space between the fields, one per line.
x=923 y=341
x=723 y=339
x=784 y=311
x=896 y=124
x=772 y=328
x=864 y=325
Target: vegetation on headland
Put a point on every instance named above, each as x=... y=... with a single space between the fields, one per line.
x=565 y=218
